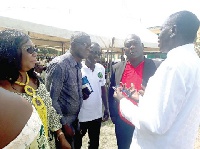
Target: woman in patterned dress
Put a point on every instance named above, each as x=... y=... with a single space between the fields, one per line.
x=20 y=125
x=17 y=60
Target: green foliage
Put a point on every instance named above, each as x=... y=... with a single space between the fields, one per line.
x=47 y=51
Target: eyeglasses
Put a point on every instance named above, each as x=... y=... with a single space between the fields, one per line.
x=128 y=45
x=86 y=45
x=96 y=52
x=31 y=50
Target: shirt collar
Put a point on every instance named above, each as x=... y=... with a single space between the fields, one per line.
x=85 y=66
x=129 y=63
x=180 y=49
x=73 y=62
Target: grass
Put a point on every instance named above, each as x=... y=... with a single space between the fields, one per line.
x=108 y=140
x=197 y=143
x=107 y=137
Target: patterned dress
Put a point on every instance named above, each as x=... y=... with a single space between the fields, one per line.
x=53 y=119
x=32 y=135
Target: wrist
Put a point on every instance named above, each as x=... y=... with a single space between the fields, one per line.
x=106 y=112
x=62 y=139
x=60 y=135
x=106 y=109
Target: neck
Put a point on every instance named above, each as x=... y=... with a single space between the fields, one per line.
x=22 y=78
x=135 y=62
x=77 y=59
x=89 y=64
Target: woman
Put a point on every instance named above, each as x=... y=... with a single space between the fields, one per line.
x=20 y=125
x=17 y=61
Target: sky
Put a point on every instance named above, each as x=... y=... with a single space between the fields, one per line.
x=155 y=12
x=148 y=12
x=102 y=18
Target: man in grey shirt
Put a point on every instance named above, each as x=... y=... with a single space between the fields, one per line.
x=64 y=82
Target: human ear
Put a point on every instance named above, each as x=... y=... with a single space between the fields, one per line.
x=173 y=31
x=172 y=35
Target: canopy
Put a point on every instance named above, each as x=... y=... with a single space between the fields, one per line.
x=64 y=34
x=108 y=32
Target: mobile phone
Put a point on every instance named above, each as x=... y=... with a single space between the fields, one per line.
x=127 y=92
x=114 y=88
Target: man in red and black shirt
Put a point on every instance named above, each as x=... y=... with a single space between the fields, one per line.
x=137 y=70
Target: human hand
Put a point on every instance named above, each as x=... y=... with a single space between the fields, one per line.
x=85 y=96
x=64 y=144
x=118 y=93
x=133 y=93
x=105 y=116
x=123 y=91
x=141 y=92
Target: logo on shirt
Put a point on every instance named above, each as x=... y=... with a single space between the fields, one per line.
x=100 y=75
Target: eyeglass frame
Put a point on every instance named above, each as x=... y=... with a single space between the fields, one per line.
x=131 y=44
x=84 y=44
x=96 y=52
x=33 y=49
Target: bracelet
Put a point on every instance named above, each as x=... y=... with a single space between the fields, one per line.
x=60 y=133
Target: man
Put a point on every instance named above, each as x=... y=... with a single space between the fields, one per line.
x=64 y=81
x=137 y=69
x=40 y=70
x=90 y=115
x=168 y=116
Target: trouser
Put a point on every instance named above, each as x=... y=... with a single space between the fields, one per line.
x=124 y=133
x=71 y=140
x=93 y=128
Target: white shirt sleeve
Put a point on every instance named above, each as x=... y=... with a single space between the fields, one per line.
x=104 y=80
x=162 y=101
x=129 y=111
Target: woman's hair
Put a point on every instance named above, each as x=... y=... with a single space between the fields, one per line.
x=11 y=42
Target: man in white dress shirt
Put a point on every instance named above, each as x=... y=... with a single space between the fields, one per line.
x=168 y=115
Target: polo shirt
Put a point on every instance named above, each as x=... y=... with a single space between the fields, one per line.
x=92 y=107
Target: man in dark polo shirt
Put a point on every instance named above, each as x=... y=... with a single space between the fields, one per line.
x=137 y=70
